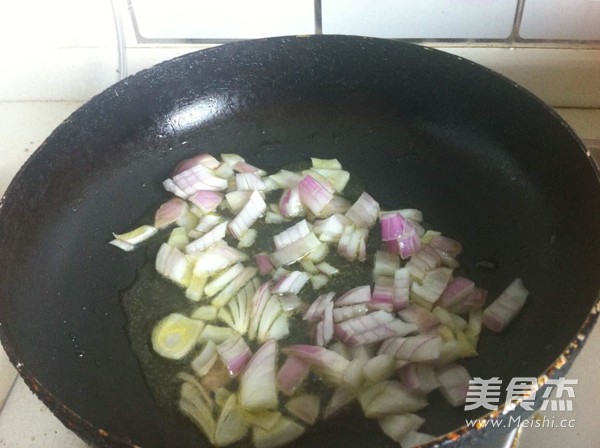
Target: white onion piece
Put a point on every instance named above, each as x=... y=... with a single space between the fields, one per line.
x=291 y=302
x=198 y=178
x=215 y=258
x=337 y=205
x=291 y=283
x=270 y=314
x=454 y=383
x=291 y=374
x=357 y=295
x=385 y=264
x=169 y=212
x=207 y=201
x=327 y=269
x=296 y=250
x=231 y=159
x=317 y=308
x=237 y=199
x=474 y=301
x=257 y=383
x=253 y=210
x=379 y=368
x=264 y=263
x=286 y=179
x=138 y=235
x=327 y=324
x=243 y=167
x=330 y=230
x=122 y=245
x=448 y=245
x=418 y=348
x=383 y=294
x=197 y=405
x=364 y=211
x=240 y=307
x=171 y=187
x=424 y=319
x=304 y=407
x=506 y=307
x=232 y=288
x=345 y=330
x=348 y=312
x=332 y=164
x=249 y=182
x=434 y=283
x=235 y=354
x=284 y=431
x=402 y=284
x=201 y=159
x=392 y=398
x=398 y=426
x=259 y=301
x=207 y=223
x=390 y=329
x=415 y=438
x=337 y=177
x=457 y=291
x=231 y=425
x=290 y=205
x=217 y=233
x=202 y=363
x=291 y=234
x=341 y=397
x=223 y=279
x=248 y=239
x=327 y=363
x=354 y=375
x=313 y=194
x=172 y=264
x=419 y=378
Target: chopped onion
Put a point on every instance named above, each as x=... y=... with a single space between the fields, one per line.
x=235 y=354
x=304 y=407
x=345 y=330
x=258 y=389
x=474 y=301
x=457 y=291
x=424 y=319
x=207 y=222
x=318 y=281
x=379 y=368
x=332 y=164
x=264 y=263
x=208 y=239
x=448 y=245
x=296 y=250
x=400 y=235
x=243 y=167
x=291 y=283
x=357 y=295
x=337 y=177
x=397 y=427
x=317 y=308
x=383 y=294
x=291 y=234
x=223 y=279
x=237 y=199
x=284 y=431
x=169 y=212
x=122 y=245
x=196 y=404
x=506 y=307
x=393 y=398
x=232 y=288
x=138 y=235
x=290 y=205
x=348 y=312
x=342 y=396
x=205 y=359
x=259 y=301
x=195 y=290
x=327 y=269
x=454 y=383
x=330 y=230
x=172 y=264
x=326 y=362
x=434 y=284
x=291 y=302
x=291 y=374
x=313 y=194
x=231 y=425
x=286 y=179
x=337 y=205
x=385 y=264
x=249 y=182
x=364 y=211
x=253 y=210
x=207 y=201
x=215 y=258
x=248 y=239
x=175 y=335
x=201 y=159
x=419 y=348
x=419 y=378
x=171 y=187
x=198 y=178
x=178 y=238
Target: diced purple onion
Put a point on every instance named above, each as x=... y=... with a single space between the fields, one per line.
x=202 y=159
x=448 y=245
x=454 y=383
x=249 y=182
x=419 y=348
x=290 y=205
x=291 y=234
x=314 y=195
x=264 y=263
x=506 y=307
x=291 y=283
x=199 y=178
x=317 y=308
x=358 y=295
x=253 y=210
x=364 y=211
x=207 y=201
x=170 y=212
x=235 y=354
x=456 y=292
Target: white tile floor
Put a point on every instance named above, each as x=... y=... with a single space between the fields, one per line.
x=26 y=423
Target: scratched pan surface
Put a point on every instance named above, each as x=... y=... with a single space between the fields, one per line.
x=486 y=162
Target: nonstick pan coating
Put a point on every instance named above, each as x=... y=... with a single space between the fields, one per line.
x=488 y=164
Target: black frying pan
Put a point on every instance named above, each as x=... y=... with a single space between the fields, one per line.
x=488 y=164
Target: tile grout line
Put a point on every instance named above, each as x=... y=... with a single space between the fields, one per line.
x=9 y=393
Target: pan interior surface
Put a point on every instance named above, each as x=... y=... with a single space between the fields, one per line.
x=487 y=163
